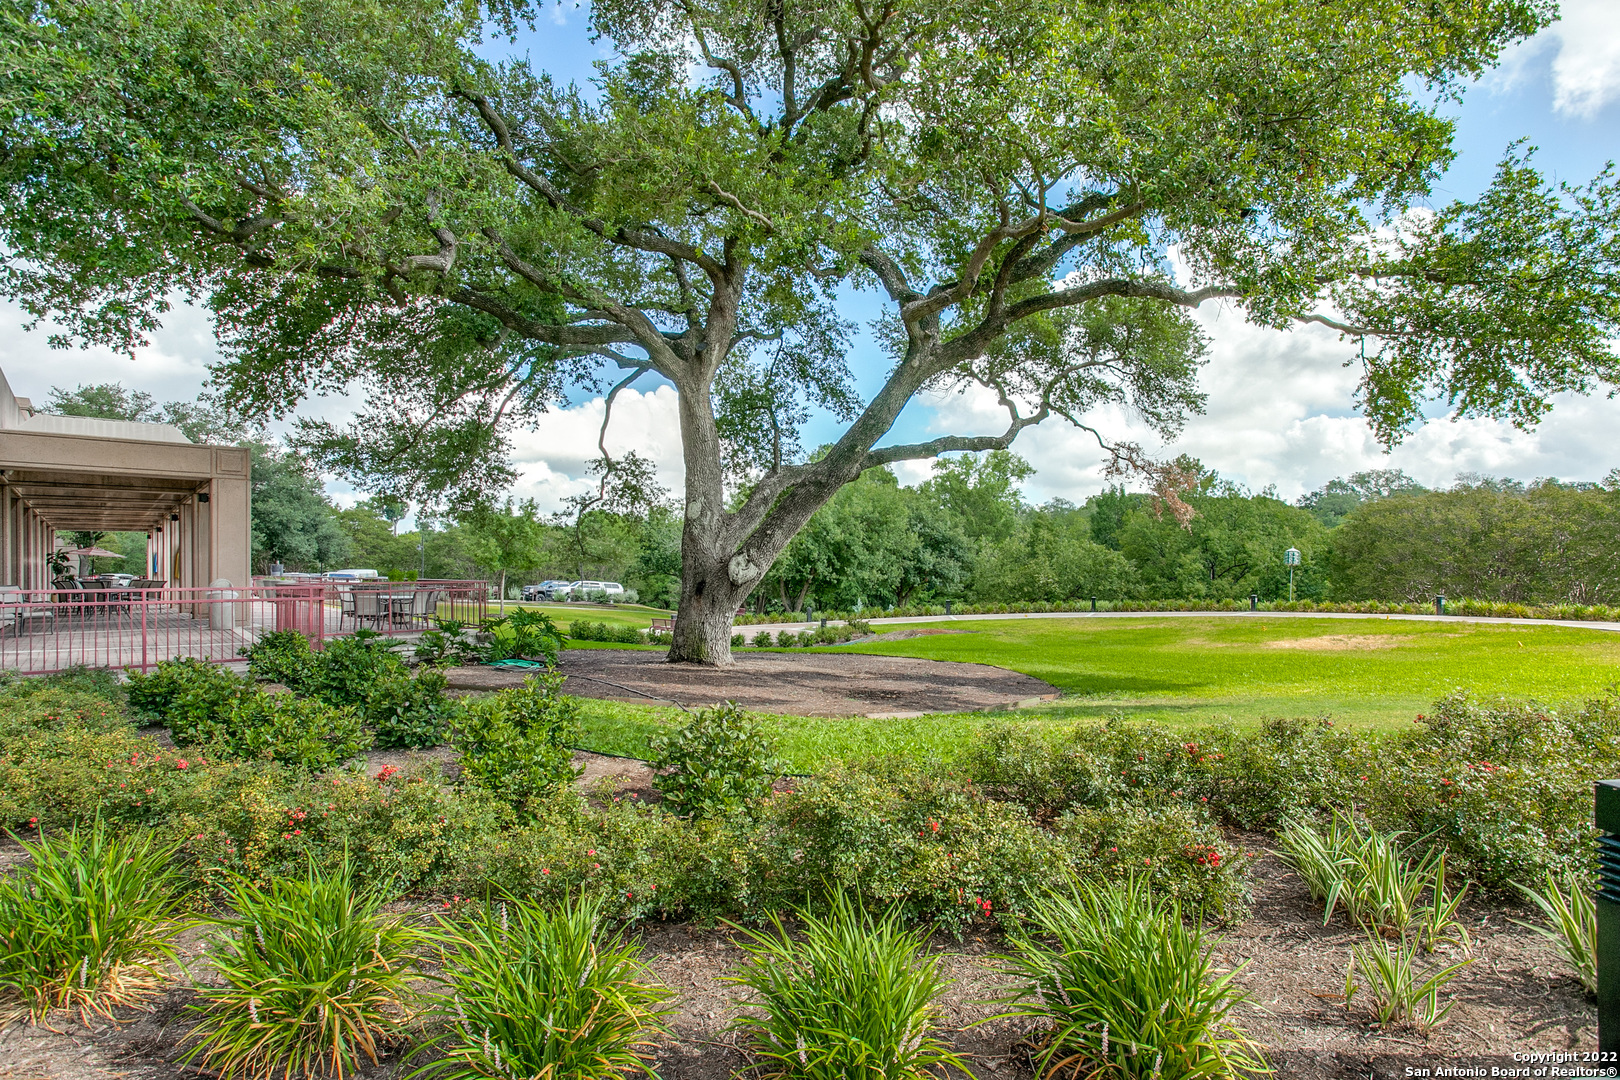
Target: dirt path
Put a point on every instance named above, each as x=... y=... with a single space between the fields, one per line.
x=806 y=683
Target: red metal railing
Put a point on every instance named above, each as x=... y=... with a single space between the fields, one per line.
x=46 y=630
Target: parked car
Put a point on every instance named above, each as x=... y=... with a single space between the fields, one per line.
x=546 y=590
x=582 y=590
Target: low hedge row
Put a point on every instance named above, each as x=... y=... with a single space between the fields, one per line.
x=1503 y=785
x=1464 y=606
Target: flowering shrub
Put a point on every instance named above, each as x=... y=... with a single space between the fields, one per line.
x=1175 y=849
x=1505 y=785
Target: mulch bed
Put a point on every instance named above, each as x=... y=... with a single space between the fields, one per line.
x=807 y=683
x=1515 y=997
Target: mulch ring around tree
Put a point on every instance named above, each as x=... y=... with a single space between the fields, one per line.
x=804 y=683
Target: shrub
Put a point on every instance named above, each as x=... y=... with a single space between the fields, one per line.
x=315 y=977
x=531 y=991
x=763 y=640
x=1505 y=786
x=805 y=639
x=625 y=635
x=1126 y=987
x=187 y=695
x=716 y=763
x=87 y=924
x=31 y=706
x=736 y=641
x=280 y=656
x=411 y=710
x=289 y=729
x=930 y=846
x=345 y=670
x=786 y=639
x=1175 y=849
x=1571 y=916
x=516 y=743
x=848 y=996
x=585 y=630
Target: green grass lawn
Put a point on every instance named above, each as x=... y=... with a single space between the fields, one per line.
x=1364 y=672
x=1184 y=672
x=638 y=615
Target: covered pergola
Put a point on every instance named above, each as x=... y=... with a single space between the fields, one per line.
x=67 y=473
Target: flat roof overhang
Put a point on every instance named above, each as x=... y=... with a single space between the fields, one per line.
x=111 y=485
x=100 y=503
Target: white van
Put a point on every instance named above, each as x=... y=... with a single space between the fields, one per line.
x=581 y=590
x=351 y=575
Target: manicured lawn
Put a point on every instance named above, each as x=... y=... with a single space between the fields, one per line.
x=1364 y=672
x=636 y=615
x=1185 y=672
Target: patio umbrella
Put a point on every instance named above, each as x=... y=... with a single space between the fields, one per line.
x=95 y=553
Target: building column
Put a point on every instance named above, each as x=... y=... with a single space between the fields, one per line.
x=230 y=530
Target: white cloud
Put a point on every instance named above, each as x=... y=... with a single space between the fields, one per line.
x=551 y=459
x=1585 y=67
x=1586 y=72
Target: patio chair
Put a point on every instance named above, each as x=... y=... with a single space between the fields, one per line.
x=16 y=610
x=94 y=596
x=424 y=602
x=370 y=607
x=345 y=607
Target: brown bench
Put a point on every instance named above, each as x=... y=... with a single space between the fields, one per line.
x=663 y=624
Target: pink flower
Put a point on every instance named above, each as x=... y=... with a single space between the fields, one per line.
x=545 y=870
x=180 y=764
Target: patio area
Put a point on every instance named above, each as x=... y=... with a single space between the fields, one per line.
x=137 y=628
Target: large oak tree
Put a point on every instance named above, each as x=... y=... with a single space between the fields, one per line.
x=1039 y=189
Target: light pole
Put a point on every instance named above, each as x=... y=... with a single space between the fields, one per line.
x=1291 y=558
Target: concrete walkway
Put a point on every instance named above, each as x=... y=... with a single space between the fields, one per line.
x=750 y=630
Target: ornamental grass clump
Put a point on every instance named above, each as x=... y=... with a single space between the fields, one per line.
x=316 y=977
x=1379 y=880
x=88 y=925
x=852 y=995
x=1125 y=988
x=1571 y=915
x=531 y=991
x=1399 y=992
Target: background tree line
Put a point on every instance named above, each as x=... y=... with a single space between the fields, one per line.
x=966 y=533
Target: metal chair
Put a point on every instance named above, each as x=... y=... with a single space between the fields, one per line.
x=346 y=607
x=424 y=603
x=370 y=606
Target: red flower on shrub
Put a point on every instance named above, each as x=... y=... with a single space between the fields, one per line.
x=386 y=771
x=180 y=764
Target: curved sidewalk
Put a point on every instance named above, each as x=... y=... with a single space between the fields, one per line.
x=751 y=629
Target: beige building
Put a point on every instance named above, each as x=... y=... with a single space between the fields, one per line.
x=72 y=473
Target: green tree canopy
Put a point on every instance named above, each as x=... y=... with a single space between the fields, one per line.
x=363 y=195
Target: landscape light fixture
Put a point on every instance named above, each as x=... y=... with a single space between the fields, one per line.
x=1291 y=558
x=1606 y=816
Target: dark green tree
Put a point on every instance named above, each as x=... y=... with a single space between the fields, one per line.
x=1332 y=502
x=293 y=523
x=363 y=195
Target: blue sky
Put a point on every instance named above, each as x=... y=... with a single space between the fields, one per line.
x=1280 y=408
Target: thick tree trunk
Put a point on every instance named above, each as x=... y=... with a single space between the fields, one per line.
x=703 y=623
